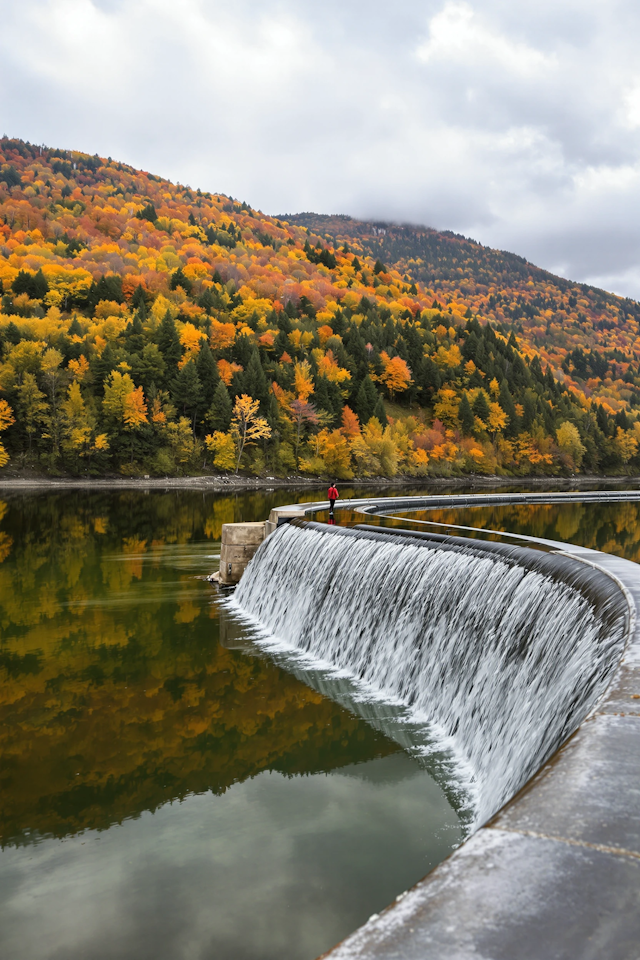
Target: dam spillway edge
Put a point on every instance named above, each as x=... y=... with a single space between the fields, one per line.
x=556 y=872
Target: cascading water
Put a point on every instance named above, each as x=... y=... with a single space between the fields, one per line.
x=502 y=651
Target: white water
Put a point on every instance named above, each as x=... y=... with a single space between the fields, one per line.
x=502 y=661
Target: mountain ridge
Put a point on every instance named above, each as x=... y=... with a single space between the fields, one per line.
x=136 y=315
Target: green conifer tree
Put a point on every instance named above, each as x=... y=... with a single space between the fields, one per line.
x=207 y=369
x=366 y=399
x=466 y=415
x=186 y=392
x=219 y=414
x=255 y=381
x=134 y=335
x=481 y=407
x=169 y=344
x=509 y=407
x=380 y=413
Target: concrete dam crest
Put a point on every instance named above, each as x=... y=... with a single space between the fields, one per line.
x=500 y=650
x=525 y=665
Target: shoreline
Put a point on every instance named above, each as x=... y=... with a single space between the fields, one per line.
x=228 y=483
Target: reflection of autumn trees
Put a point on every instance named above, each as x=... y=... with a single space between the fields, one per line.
x=115 y=695
x=610 y=527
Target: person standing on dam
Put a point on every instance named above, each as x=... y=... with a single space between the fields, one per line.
x=332 y=496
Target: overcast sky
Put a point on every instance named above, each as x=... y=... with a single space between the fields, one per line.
x=515 y=122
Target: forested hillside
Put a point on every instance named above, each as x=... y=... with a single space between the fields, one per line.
x=150 y=328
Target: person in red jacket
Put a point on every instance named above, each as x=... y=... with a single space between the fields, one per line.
x=332 y=496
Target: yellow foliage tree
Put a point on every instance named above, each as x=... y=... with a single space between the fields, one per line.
x=334 y=450
x=303 y=380
x=6 y=419
x=76 y=425
x=446 y=406
x=222 y=335
x=134 y=411
x=179 y=437
x=32 y=406
x=568 y=439
x=497 y=418
x=626 y=444
x=116 y=388
x=329 y=368
x=246 y=425
x=396 y=375
x=191 y=339
x=223 y=448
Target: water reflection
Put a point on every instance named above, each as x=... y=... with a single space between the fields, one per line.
x=279 y=867
x=115 y=695
x=609 y=527
x=164 y=793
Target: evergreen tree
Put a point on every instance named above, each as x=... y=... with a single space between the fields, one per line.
x=169 y=343
x=466 y=415
x=622 y=420
x=357 y=350
x=102 y=366
x=186 y=391
x=338 y=323
x=603 y=420
x=529 y=414
x=206 y=301
x=243 y=350
x=428 y=380
x=219 y=414
x=138 y=300
x=380 y=413
x=134 y=335
x=366 y=400
x=414 y=346
x=207 y=369
x=327 y=396
x=178 y=279
x=255 y=381
x=509 y=407
x=11 y=334
x=481 y=407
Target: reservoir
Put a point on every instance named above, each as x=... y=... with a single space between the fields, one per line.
x=171 y=789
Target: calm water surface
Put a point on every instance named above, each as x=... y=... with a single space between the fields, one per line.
x=168 y=791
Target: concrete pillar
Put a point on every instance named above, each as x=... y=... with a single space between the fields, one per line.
x=280 y=515
x=239 y=543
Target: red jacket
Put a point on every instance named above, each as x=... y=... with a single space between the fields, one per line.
x=332 y=493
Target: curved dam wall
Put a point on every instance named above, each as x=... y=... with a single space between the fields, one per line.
x=503 y=650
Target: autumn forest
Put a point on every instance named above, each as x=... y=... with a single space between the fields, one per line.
x=148 y=328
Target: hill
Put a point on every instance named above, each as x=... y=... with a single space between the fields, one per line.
x=147 y=327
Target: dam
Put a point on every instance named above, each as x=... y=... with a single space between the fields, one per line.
x=521 y=658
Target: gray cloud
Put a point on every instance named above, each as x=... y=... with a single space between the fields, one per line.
x=517 y=124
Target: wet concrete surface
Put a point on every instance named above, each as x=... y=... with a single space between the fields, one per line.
x=589 y=793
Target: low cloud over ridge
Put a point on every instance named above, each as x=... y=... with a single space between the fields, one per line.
x=517 y=124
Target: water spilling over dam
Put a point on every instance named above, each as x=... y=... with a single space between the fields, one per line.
x=501 y=650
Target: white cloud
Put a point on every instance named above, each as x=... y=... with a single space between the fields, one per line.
x=457 y=36
x=518 y=124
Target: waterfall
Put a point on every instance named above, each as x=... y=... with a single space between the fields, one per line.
x=501 y=650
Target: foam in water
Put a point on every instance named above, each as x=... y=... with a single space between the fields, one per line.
x=501 y=660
